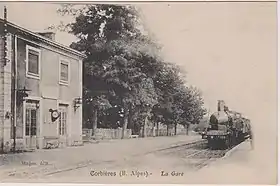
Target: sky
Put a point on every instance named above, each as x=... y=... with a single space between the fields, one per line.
x=228 y=49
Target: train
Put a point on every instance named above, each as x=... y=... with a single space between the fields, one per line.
x=226 y=128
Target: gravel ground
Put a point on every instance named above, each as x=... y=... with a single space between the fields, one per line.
x=176 y=162
x=101 y=155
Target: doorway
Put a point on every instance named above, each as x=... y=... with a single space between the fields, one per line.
x=63 y=120
x=31 y=124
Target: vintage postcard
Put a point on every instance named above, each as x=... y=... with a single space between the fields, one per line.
x=138 y=92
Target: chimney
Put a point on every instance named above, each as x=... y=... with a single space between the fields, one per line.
x=221 y=105
x=48 y=35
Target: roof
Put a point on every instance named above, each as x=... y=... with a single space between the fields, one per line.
x=45 y=40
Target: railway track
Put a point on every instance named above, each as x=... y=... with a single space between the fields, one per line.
x=195 y=156
x=203 y=157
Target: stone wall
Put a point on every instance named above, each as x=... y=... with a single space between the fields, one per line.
x=105 y=134
x=150 y=132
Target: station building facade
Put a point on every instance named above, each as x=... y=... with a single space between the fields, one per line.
x=40 y=90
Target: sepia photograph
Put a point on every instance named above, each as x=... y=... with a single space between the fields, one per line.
x=138 y=92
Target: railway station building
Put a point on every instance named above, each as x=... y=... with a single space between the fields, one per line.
x=40 y=90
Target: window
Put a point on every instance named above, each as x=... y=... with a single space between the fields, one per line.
x=62 y=121
x=32 y=62
x=64 y=72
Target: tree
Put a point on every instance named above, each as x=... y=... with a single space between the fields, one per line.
x=93 y=105
x=132 y=85
x=166 y=81
x=193 y=105
x=178 y=103
x=116 y=56
x=96 y=26
x=124 y=71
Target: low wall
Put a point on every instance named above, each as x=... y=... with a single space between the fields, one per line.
x=162 y=132
x=117 y=133
x=106 y=134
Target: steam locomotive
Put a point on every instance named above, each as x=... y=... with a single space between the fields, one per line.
x=226 y=128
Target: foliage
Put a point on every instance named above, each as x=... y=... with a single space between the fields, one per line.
x=125 y=76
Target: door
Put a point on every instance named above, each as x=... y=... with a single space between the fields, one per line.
x=31 y=124
x=63 y=121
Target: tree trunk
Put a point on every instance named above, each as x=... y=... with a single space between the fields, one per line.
x=94 y=122
x=187 y=127
x=175 y=129
x=145 y=127
x=167 y=129
x=130 y=124
x=157 y=134
x=154 y=129
x=125 y=122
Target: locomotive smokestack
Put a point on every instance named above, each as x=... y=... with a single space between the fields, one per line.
x=221 y=105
